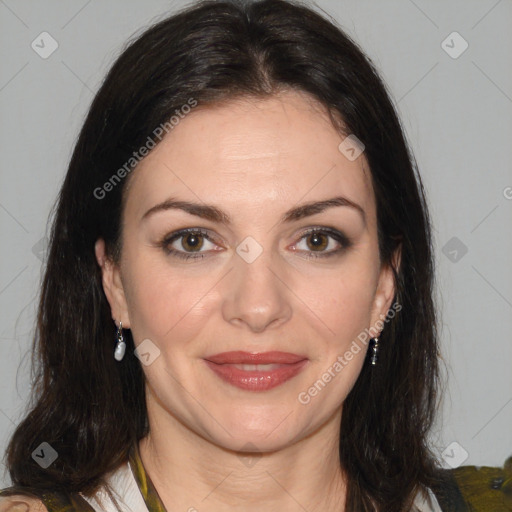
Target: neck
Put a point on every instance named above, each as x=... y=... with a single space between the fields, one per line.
x=194 y=474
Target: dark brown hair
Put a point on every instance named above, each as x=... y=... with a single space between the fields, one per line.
x=91 y=408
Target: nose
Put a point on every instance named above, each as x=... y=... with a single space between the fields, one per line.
x=256 y=295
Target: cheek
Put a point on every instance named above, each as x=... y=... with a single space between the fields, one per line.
x=340 y=301
x=165 y=304
x=343 y=301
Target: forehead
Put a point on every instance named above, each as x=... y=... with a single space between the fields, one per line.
x=247 y=153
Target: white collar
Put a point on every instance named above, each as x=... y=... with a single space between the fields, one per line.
x=125 y=492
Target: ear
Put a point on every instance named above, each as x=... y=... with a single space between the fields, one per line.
x=112 y=285
x=384 y=293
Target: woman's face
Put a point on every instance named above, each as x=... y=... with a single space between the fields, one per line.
x=251 y=277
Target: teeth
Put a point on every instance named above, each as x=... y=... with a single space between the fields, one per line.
x=257 y=367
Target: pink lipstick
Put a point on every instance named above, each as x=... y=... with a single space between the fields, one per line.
x=256 y=371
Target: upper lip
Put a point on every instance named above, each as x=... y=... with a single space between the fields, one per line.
x=239 y=357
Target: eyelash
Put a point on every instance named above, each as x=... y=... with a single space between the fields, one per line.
x=332 y=233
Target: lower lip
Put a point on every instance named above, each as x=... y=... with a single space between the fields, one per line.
x=257 y=380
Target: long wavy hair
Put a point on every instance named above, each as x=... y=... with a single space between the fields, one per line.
x=91 y=408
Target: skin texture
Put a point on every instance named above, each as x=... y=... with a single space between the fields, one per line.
x=255 y=159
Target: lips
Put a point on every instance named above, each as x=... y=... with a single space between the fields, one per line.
x=256 y=371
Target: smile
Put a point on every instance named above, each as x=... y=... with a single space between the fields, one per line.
x=256 y=372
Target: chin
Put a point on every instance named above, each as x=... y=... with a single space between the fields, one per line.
x=258 y=431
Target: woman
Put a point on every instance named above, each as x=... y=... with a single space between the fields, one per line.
x=237 y=306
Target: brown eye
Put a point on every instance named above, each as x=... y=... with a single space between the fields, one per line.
x=317 y=241
x=188 y=244
x=322 y=243
x=192 y=241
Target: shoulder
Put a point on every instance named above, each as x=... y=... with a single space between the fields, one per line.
x=475 y=489
x=19 y=498
x=21 y=503
x=486 y=488
x=26 y=499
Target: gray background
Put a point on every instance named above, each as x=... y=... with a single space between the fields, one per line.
x=457 y=113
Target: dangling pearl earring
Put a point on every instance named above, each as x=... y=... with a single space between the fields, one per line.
x=120 y=345
x=375 y=350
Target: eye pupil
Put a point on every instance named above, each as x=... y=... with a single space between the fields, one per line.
x=317 y=241
x=192 y=241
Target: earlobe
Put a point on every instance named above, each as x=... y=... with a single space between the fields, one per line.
x=112 y=285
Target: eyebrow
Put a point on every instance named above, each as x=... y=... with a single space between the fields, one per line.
x=214 y=214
